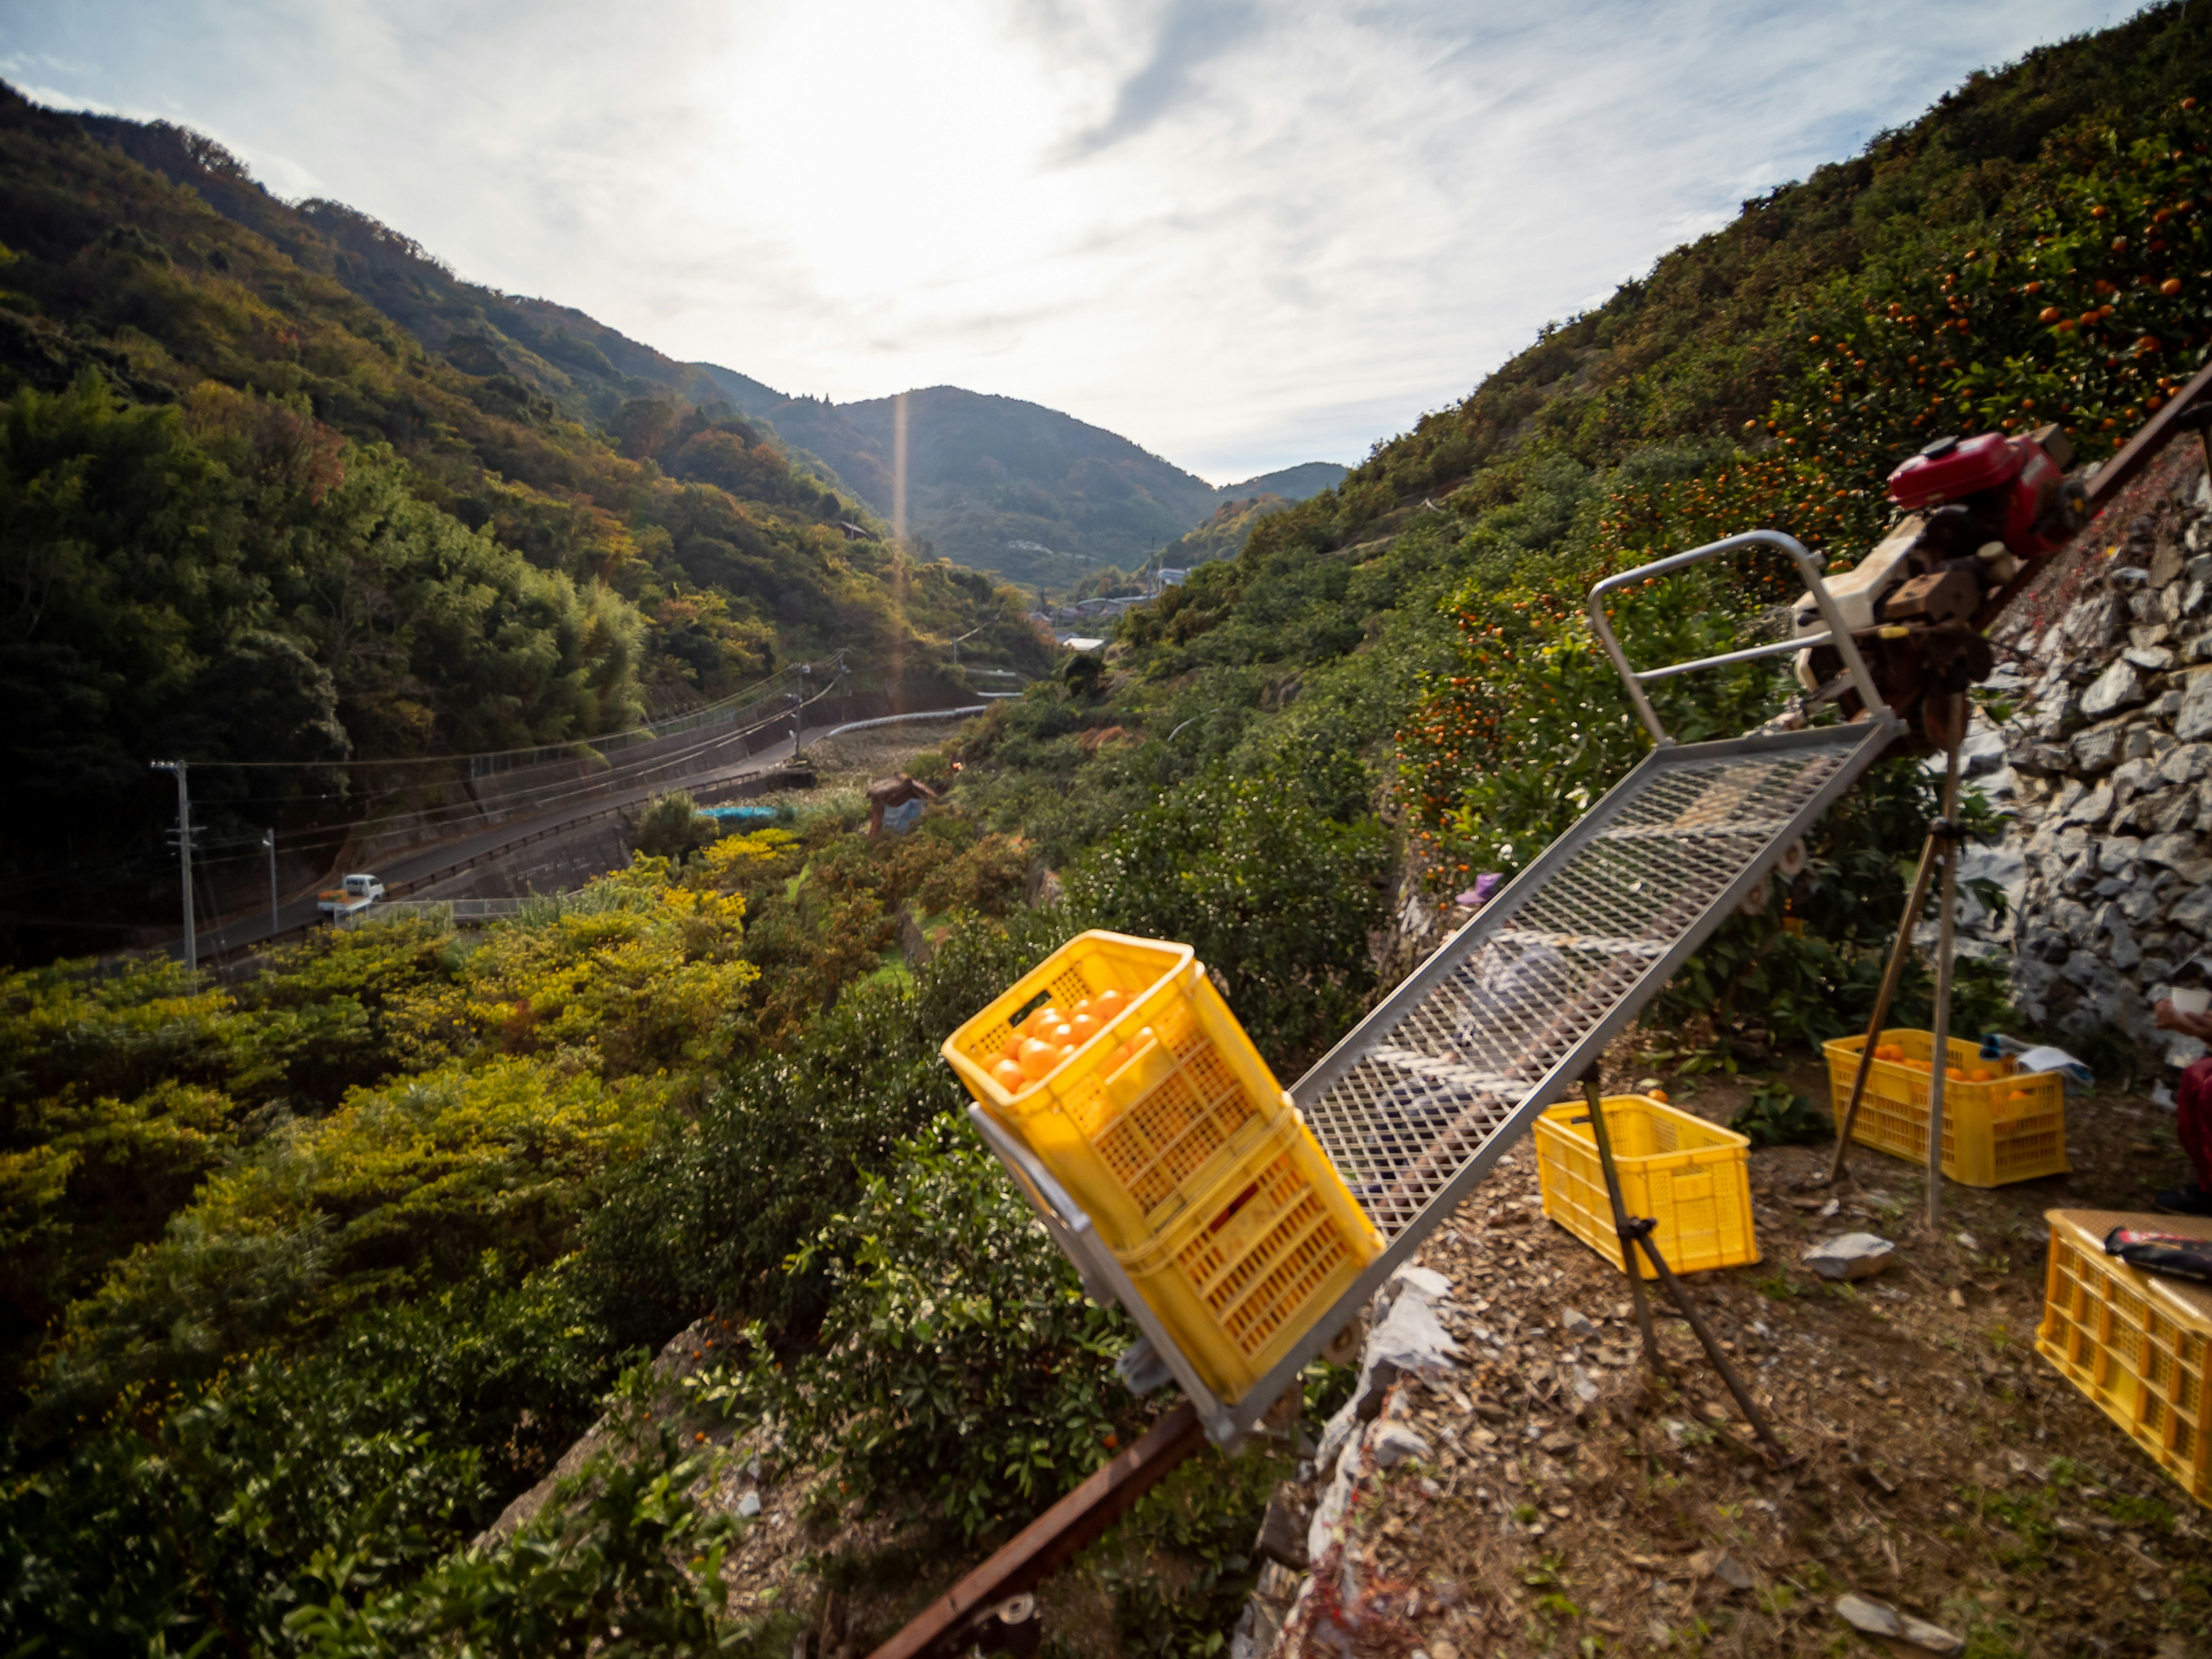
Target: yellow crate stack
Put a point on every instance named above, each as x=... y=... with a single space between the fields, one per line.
x=1691 y=1177
x=1189 y=1159
x=1247 y=1269
x=2010 y=1128
x=2137 y=1344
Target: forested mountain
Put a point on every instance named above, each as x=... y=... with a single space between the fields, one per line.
x=274 y=485
x=1291 y=484
x=1003 y=485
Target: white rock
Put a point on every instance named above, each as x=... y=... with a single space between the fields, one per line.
x=1872 y=1618
x=2186 y=763
x=1425 y=1283
x=2194 y=720
x=1392 y=1444
x=749 y=1506
x=1328 y=1519
x=2173 y=849
x=1577 y=1324
x=1849 y=1255
x=2120 y=686
x=1412 y=1339
x=2094 y=807
x=1335 y=1434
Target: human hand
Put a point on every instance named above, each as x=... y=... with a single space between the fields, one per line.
x=2168 y=1018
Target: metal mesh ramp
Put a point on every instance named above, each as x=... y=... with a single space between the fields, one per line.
x=1424 y=1094
x=1453 y=1064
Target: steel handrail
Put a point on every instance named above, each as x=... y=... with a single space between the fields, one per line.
x=1808 y=568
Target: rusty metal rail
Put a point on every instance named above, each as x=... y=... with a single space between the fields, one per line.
x=1050 y=1541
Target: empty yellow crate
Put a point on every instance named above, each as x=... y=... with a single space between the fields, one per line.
x=1133 y=1142
x=1255 y=1260
x=1690 y=1176
x=2136 y=1343
x=2010 y=1128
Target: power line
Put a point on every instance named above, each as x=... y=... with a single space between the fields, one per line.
x=651 y=732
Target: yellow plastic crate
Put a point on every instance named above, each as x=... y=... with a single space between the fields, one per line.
x=1255 y=1258
x=1134 y=1143
x=2136 y=1343
x=1691 y=1177
x=2011 y=1128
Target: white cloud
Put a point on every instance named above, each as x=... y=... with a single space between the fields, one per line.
x=1244 y=234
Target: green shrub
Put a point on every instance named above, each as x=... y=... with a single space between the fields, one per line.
x=710 y=1214
x=1278 y=896
x=209 y=1516
x=960 y=1358
x=673 y=827
x=1774 y=1117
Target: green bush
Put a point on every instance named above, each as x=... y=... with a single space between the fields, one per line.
x=1276 y=894
x=960 y=1358
x=710 y=1214
x=210 y=1514
x=673 y=827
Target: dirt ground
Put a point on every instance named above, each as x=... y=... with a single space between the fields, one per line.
x=1949 y=1469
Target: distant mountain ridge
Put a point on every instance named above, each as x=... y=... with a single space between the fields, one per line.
x=996 y=484
x=1293 y=484
x=1014 y=488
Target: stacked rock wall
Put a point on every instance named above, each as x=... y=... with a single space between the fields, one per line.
x=2107 y=861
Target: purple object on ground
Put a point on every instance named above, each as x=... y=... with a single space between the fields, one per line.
x=1479 y=895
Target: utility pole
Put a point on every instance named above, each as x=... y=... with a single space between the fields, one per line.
x=183 y=835
x=269 y=841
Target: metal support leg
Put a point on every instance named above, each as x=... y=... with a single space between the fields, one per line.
x=1620 y=1222
x=1636 y=1234
x=1939 y=1057
x=1899 y=954
x=1752 y=1415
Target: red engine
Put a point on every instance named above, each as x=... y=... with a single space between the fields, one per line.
x=2012 y=488
x=1978 y=511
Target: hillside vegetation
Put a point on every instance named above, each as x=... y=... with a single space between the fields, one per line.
x=309 y=1277
x=248 y=511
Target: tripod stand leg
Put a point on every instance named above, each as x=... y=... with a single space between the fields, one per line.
x=1899 y=954
x=1752 y=1415
x=1604 y=1138
x=1947 y=922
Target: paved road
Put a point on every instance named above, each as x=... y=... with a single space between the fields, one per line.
x=427 y=860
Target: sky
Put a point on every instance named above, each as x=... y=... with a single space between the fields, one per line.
x=1244 y=234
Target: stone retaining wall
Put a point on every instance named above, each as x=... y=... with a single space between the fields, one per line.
x=2106 y=864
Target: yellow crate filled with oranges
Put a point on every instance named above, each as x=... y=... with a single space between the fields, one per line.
x=2000 y=1124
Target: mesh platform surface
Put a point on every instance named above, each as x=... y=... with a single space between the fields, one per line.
x=1518 y=1002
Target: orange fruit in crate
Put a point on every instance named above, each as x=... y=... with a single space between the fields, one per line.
x=1978 y=1075
x=1008 y=1076
x=1954 y=1073
x=1012 y=1051
x=1038 y=1059
x=1659 y=1094
x=1085 y=1025
x=1035 y=1023
x=1107 y=1003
